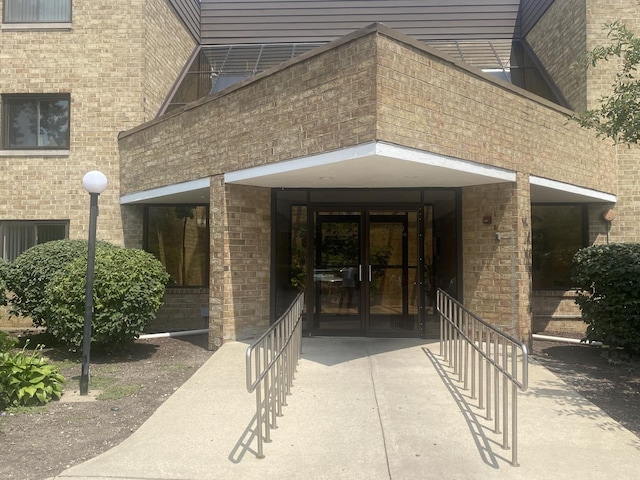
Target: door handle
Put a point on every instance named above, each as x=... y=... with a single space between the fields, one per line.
x=359 y=273
x=369 y=272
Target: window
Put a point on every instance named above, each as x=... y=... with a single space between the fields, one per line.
x=37 y=11
x=35 y=121
x=178 y=235
x=18 y=236
x=558 y=232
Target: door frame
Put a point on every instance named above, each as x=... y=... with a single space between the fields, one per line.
x=365 y=214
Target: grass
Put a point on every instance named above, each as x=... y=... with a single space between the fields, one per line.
x=105 y=380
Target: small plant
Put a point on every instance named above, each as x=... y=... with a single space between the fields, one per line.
x=6 y=342
x=28 y=380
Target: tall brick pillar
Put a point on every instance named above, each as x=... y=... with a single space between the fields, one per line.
x=496 y=245
x=240 y=232
x=217 y=234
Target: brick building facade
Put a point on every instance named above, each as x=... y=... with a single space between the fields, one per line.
x=374 y=133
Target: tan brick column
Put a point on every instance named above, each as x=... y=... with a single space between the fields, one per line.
x=217 y=234
x=496 y=255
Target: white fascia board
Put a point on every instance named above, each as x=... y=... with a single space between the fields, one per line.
x=335 y=156
x=370 y=149
x=166 y=191
x=574 y=189
x=450 y=163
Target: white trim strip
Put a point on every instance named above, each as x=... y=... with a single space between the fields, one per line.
x=567 y=187
x=336 y=156
x=165 y=191
x=369 y=149
x=428 y=158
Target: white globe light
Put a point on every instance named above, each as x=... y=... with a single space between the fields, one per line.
x=94 y=181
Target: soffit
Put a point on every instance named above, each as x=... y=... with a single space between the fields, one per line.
x=372 y=165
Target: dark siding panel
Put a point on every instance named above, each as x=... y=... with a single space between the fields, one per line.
x=189 y=12
x=531 y=11
x=262 y=21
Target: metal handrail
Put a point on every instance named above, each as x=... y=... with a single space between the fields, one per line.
x=499 y=356
x=271 y=366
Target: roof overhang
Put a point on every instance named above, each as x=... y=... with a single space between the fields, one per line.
x=544 y=190
x=371 y=165
x=193 y=192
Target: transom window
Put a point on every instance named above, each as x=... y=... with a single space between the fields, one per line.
x=18 y=236
x=37 y=11
x=35 y=121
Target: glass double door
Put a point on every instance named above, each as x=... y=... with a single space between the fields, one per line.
x=366 y=279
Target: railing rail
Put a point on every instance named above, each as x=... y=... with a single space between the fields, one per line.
x=271 y=366
x=474 y=347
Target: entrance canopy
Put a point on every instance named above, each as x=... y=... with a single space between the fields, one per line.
x=371 y=165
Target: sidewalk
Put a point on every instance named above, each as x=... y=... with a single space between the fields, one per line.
x=366 y=409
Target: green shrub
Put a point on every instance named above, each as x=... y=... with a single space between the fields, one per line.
x=4 y=273
x=128 y=290
x=30 y=273
x=27 y=380
x=6 y=342
x=609 y=280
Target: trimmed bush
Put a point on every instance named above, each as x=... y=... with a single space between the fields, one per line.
x=128 y=291
x=4 y=273
x=31 y=272
x=609 y=280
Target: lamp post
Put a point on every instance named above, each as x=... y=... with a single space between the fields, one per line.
x=95 y=183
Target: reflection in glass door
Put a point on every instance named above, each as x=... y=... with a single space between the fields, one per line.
x=393 y=275
x=337 y=272
x=366 y=276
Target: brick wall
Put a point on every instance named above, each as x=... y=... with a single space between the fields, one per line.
x=107 y=63
x=431 y=104
x=559 y=40
x=240 y=261
x=626 y=226
x=183 y=309
x=497 y=286
x=103 y=61
x=323 y=103
x=556 y=311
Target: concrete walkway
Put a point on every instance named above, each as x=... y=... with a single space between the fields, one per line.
x=366 y=409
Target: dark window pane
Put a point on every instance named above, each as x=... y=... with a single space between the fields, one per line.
x=49 y=232
x=18 y=236
x=178 y=235
x=54 y=123
x=22 y=119
x=36 y=122
x=557 y=234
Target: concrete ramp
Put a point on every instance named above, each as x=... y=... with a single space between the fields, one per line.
x=366 y=409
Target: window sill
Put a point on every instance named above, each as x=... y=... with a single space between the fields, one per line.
x=36 y=26
x=34 y=153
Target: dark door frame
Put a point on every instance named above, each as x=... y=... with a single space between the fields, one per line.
x=365 y=221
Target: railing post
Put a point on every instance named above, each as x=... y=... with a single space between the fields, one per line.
x=273 y=358
x=498 y=350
